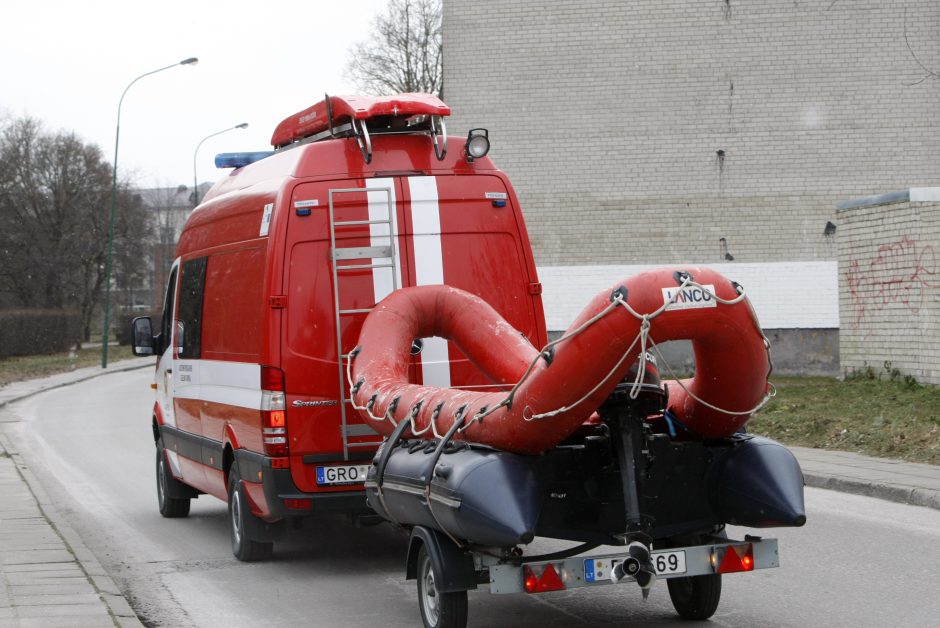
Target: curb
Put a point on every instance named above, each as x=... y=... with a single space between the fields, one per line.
x=121 y=612
x=890 y=492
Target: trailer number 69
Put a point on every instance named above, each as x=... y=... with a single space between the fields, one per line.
x=669 y=562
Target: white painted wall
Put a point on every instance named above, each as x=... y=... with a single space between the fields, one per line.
x=785 y=295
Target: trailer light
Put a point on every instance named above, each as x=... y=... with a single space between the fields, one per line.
x=737 y=558
x=478 y=144
x=531 y=582
x=547 y=580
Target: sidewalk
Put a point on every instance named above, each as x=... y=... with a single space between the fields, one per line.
x=49 y=578
x=893 y=480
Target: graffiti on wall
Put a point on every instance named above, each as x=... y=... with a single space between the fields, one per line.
x=901 y=272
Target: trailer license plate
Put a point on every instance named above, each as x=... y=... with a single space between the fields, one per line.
x=346 y=474
x=664 y=563
x=669 y=562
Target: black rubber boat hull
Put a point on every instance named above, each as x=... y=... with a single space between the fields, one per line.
x=480 y=496
x=758 y=484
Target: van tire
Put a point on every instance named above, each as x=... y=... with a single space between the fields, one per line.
x=170 y=507
x=242 y=523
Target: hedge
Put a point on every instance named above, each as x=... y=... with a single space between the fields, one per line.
x=35 y=332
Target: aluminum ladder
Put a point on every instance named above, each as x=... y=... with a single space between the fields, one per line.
x=377 y=256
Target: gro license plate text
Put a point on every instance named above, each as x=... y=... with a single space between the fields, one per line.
x=347 y=474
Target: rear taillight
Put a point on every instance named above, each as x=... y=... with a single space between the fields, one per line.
x=541 y=579
x=273 y=412
x=734 y=558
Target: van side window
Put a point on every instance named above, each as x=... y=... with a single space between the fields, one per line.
x=192 y=291
x=166 y=325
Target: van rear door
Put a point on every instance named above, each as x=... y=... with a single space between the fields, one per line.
x=465 y=232
x=364 y=211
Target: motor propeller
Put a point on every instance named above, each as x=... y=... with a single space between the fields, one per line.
x=638 y=565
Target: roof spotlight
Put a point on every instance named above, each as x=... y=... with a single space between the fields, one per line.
x=478 y=144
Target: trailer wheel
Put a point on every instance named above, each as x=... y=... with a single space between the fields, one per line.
x=695 y=597
x=241 y=521
x=438 y=610
x=170 y=507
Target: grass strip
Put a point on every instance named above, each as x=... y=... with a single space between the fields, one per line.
x=893 y=417
x=21 y=368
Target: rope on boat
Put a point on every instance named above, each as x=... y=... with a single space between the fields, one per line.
x=642 y=337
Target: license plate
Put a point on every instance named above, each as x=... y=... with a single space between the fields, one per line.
x=344 y=474
x=664 y=563
x=669 y=562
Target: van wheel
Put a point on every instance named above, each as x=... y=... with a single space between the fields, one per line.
x=170 y=507
x=438 y=610
x=242 y=523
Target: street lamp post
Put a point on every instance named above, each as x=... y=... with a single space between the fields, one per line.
x=243 y=125
x=107 y=268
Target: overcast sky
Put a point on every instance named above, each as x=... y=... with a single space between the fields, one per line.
x=66 y=63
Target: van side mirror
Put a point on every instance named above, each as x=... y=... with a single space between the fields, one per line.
x=143 y=336
x=180 y=332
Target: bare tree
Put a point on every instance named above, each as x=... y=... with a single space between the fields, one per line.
x=54 y=208
x=405 y=53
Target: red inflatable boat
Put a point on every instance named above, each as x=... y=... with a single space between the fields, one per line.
x=556 y=391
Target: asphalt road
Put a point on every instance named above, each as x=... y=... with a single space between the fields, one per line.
x=858 y=561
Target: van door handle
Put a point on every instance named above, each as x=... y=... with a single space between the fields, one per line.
x=169 y=370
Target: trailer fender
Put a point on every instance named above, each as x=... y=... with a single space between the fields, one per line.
x=453 y=568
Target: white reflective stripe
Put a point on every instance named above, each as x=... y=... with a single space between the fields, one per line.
x=379 y=210
x=435 y=363
x=230 y=383
x=429 y=270
x=426 y=222
x=238 y=374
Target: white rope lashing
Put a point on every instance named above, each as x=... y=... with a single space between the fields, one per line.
x=642 y=338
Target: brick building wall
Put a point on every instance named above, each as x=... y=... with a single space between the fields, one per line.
x=889 y=284
x=641 y=132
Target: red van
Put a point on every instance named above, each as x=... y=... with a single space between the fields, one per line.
x=274 y=274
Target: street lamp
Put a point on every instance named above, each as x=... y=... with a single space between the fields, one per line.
x=243 y=125
x=107 y=268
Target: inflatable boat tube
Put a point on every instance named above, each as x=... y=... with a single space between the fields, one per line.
x=732 y=362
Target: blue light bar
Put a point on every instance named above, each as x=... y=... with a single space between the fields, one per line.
x=237 y=160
